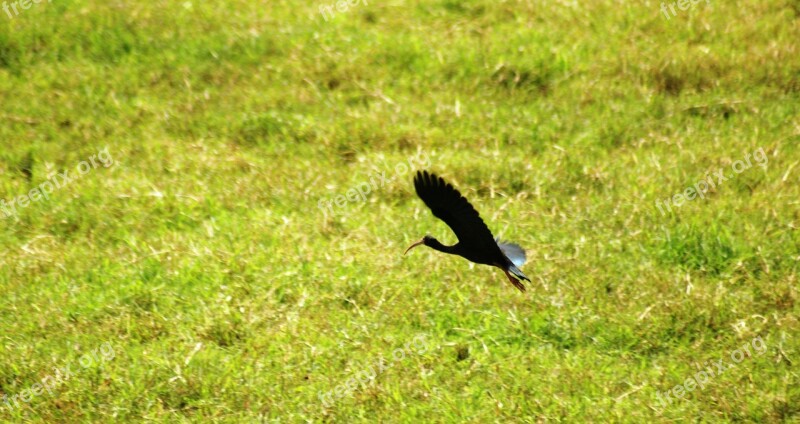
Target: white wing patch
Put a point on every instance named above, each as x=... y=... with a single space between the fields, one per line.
x=513 y=252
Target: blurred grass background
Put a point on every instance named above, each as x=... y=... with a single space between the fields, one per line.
x=202 y=256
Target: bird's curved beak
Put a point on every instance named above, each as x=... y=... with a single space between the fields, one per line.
x=421 y=241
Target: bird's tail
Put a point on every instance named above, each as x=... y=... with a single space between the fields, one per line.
x=517 y=273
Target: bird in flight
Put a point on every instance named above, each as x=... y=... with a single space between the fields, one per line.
x=475 y=241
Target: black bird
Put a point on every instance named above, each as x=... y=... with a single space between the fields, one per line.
x=475 y=241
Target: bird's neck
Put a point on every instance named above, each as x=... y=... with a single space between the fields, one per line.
x=436 y=245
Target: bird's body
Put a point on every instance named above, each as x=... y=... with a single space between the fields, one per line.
x=475 y=240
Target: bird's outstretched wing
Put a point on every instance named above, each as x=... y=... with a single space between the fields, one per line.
x=450 y=206
x=513 y=252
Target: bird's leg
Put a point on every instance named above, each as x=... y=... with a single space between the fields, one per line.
x=515 y=282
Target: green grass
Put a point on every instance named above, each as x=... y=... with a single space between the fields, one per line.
x=202 y=258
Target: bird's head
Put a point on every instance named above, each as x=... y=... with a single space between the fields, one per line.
x=425 y=240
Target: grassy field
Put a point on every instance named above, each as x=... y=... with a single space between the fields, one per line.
x=183 y=239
